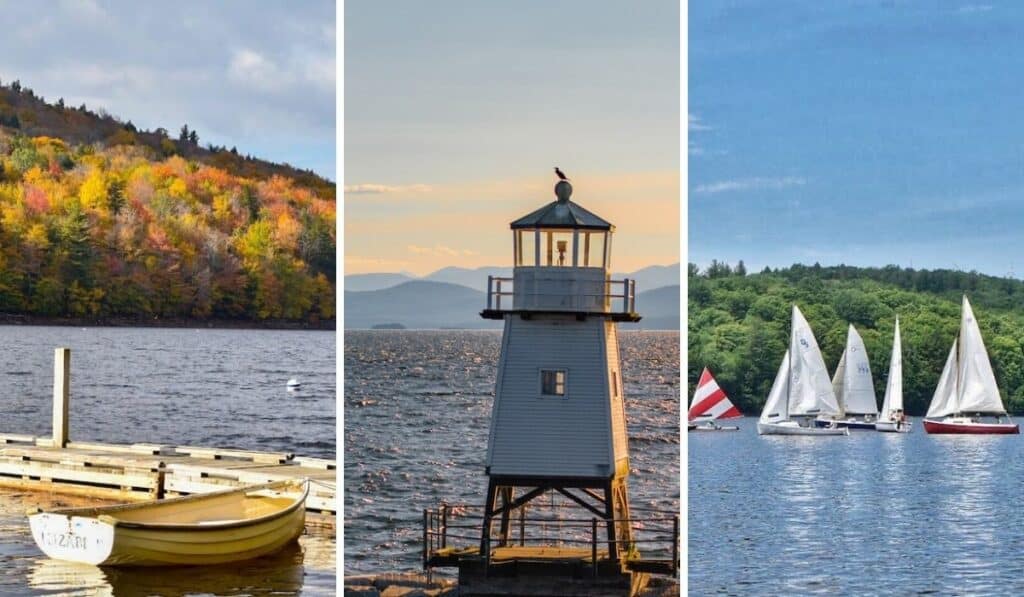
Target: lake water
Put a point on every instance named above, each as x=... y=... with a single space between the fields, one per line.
x=219 y=388
x=872 y=513
x=417 y=415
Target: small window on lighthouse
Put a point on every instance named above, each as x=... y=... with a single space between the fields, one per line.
x=552 y=382
x=615 y=384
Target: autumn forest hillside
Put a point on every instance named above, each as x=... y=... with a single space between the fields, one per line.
x=101 y=221
x=739 y=324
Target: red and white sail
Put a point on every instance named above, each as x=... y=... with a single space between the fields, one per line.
x=710 y=401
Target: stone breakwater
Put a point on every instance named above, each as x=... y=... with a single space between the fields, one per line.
x=398 y=585
x=419 y=585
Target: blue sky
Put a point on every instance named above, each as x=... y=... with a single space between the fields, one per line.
x=456 y=111
x=866 y=133
x=262 y=80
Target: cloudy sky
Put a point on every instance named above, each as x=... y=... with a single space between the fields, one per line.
x=861 y=132
x=456 y=111
x=259 y=76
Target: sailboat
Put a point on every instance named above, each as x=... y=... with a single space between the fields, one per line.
x=802 y=389
x=710 y=404
x=967 y=388
x=891 y=417
x=854 y=388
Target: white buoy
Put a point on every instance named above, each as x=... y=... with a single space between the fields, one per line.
x=294 y=385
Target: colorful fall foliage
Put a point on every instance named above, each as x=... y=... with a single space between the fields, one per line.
x=118 y=230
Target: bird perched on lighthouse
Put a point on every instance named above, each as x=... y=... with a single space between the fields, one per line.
x=561 y=174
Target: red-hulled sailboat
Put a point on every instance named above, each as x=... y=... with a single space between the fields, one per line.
x=967 y=399
x=710 y=404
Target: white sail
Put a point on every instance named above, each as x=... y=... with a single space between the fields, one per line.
x=944 y=401
x=776 y=408
x=838 y=378
x=978 y=392
x=858 y=389
x=810 y=389
x=893 y=400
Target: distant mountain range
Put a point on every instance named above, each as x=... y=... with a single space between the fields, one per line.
x=648 y=278
x=425 y=304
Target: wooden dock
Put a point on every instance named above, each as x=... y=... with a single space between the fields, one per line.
x=128 y=472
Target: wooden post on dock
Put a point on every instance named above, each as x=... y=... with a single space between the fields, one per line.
x=61 y=395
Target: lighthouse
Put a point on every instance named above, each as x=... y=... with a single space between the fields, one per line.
x=558 y=422
x=556 y=519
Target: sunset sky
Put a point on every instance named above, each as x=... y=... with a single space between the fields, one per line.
x=456 y=116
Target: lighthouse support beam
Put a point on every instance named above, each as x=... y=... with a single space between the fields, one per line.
x=506 y=500
x=609 y=508
x=579 y=501
x=485 y=535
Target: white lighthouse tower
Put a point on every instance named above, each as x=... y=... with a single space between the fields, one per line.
x=558 y=423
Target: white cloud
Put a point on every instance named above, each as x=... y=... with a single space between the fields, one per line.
x=974 y=8
x=380 y=189
x=320 y=70
x=87 y=9
x=437 y=250
x=252 y=68
x=357 y=263
x=750 y=184
x=696 y=124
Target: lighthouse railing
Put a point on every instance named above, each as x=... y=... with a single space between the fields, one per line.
x=617 y=296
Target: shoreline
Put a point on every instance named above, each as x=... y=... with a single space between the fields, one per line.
x=171 y=322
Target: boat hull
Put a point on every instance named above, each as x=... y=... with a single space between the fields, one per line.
x=720 y=428
x=103 y=540
x=964 y=427
x=851 y=424
x=893 y=427
x=791 y=428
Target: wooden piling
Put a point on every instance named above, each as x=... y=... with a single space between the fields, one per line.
x=61 y=395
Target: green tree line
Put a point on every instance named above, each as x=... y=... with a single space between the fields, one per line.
x=739 y=324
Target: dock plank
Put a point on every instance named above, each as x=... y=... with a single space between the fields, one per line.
x=79 y=456
x=222 y=453
x=17 y=438
x=145 y=471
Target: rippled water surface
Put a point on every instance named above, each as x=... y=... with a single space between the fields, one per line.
x=417 y=411
x=220 y=388
x=872 y=513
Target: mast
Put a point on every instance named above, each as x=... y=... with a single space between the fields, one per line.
x=792 y=351
x=789 y=372
x=959 y=350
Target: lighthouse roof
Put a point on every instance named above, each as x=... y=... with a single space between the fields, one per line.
x=562 y=213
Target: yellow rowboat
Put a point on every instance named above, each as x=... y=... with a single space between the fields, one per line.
x=210 y=528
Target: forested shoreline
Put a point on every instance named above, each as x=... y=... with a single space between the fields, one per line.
x=102 y=223
x=739 y=324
